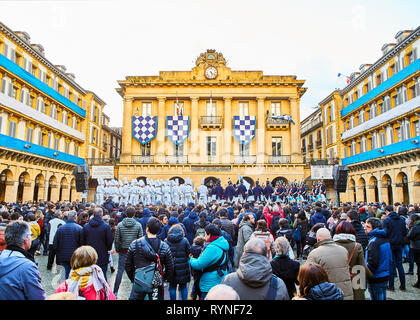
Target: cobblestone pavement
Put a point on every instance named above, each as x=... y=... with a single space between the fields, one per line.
x=52 y=278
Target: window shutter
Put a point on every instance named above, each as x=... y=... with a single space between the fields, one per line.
x=6 y=50
x=3 y=85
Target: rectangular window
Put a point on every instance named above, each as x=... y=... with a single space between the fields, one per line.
x=416 y=128
x=243 y=109
x=49 y=140
x=6 y=50
x=382 y=139
x=244 y=149
x=211 y=146
x=66 y=147
x=275 y=108
x=56 y=143
x=76 y=150
x=93 y=154
x=145 y=149
x=399 y=134
x=276 y=146
x=179 y=150
x=29 y=134
x=211 y=109
x=146 y=109
x=12 y=129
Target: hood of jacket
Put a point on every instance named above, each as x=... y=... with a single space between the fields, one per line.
x=245 y=223
x=380 y=233
x=357 y=225
x=10 y=260
x=220 y=242
x=344 y=237
x=145 y=213
x=175 y=235
x=173 y=220
x=96 y=222
x=193 y=215
x=394 y=216
x=254 y=270
x=325 y=291
x=318 y=215
x=129 y=222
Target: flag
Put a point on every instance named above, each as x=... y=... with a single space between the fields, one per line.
x=342 y=75
x=246 y=184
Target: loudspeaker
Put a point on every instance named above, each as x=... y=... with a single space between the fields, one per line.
x=81 y=169
x=82 y=183
x=340 y=174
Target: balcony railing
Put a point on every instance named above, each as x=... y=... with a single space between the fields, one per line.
x=99 y=161
x=211 y=121
x=273 y=123
x=176 y=159
x=322 y=161
x=279 y=159
x=245 y=159
x=310 y=125
x=142 y=159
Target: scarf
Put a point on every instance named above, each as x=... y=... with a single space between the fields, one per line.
x=22 y=251
x=344 y=236
x=83 y=277
x=212 y=238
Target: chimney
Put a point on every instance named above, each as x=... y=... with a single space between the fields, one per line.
x=364 y=67
x=24 y=36
x=71 y=75
x=401 y=35
x=61 y=68
x=387 y=47
x=38 y=48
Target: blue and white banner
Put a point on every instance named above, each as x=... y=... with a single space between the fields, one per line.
x=177 y=128
x=144 y=128
x=244 y=128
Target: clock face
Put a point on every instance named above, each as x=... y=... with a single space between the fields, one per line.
x=211 y=72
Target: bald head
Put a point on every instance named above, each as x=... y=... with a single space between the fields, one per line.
x=222 y=292
x=323 y=234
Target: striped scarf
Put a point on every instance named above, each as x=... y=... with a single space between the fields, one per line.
x=83 y=277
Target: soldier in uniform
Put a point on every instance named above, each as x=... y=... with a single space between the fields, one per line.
x=229 y=192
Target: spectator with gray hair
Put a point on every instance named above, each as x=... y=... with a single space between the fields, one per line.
x=19 y=275
x=222 y=292
x=254 y=279
x=283 y=267
x=54 y=223
x=97 y=234
x=66 y=240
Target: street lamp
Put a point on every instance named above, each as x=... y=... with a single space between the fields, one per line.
x=3 y=177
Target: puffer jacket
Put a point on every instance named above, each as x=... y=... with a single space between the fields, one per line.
x=67 y=239
x=245 y=231
x=189 y=226
x=144 y=218
x=164 y=231
x=98 y=234
x=210 y=255
x=140 y=254
x=414 y=236
x=333 y=258
x=252 y=279
x=318 y=217
x=378 y=255
x=180 y=249
x=325 y=291
x=396 y=229
x=228 y=226
x=127 y=231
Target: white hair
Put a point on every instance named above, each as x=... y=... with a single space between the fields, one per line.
x=222 y=292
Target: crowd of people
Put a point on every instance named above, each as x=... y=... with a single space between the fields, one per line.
x=254 y=250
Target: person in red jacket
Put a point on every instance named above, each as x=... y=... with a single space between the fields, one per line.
x=86 y=281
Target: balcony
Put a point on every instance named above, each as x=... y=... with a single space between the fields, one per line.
x=279 y=159
x=303 y=149
x=277 y=124
x=310 y=147
x=244 y=159
x=328 y=161
x=211 y=122
x=142 y=159
x=100 y=161
x=318 y=143
x=312 y=125
x=176 y=159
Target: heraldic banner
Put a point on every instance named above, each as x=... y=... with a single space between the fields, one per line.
x=244 y=128
x=177 y=128
x=144 y=128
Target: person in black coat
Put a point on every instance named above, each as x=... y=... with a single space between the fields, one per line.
x=285 y=231
x=284 y=267
x=229 y=192
x=142 y=252
x=97 y=234
x=66 y=240
x=361 y=236
x=180 y=249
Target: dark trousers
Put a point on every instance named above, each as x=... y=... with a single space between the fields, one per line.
x=157 y=294
x=397 y=264
x=51 y=256
x=104 y=268
x=122 y=257
x=67 y=268
x=416 y=256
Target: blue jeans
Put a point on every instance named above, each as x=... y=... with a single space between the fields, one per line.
x=67 y=268
x=377 y=290
x=122 y=257
x=182 y=287
x=104 y=268
x=397 y=264
x=410 y=260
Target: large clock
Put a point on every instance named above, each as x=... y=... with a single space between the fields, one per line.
x=211 y=72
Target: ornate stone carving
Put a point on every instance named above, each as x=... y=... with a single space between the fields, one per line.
x=210 y=57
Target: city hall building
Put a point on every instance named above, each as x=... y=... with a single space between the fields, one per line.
x=211 y=122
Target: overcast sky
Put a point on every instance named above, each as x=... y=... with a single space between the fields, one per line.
x=102 y=41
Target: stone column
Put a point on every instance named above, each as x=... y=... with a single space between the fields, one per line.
x=11 y=191
x=227 y=131
x=160 y=137
x=193 y=155
x=296 y=155
x=260 y=130
x=127 y=130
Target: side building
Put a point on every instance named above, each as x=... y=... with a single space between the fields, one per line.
x=44 y=122
x=379 y=116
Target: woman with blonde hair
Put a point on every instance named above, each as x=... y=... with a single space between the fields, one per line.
x=86 y=281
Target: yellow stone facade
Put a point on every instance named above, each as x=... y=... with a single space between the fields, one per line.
x=232 y=93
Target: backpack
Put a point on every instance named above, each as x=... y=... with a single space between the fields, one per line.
x=200 y=232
